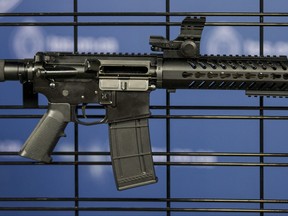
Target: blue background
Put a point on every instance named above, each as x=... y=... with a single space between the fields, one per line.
x=186 y=135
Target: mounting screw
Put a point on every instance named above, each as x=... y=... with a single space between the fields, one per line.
x=65 y=93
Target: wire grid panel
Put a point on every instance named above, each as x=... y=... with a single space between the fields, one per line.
x=215 y=152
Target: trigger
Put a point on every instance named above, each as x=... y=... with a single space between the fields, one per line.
x=84 y=105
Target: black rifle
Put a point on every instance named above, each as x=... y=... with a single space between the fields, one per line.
x=122 y=84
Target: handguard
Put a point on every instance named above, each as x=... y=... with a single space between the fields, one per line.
x=46 y=134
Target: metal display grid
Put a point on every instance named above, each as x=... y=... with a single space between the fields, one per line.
x=168 y=200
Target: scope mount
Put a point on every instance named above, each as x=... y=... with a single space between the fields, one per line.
x=186 y=45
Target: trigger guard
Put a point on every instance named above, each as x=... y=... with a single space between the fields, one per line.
x=102 y=121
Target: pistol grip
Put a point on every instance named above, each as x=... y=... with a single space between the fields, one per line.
x=131 y=153
x=45 y=136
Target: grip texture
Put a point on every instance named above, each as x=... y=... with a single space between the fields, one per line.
x=131 y=154
x=45 y=136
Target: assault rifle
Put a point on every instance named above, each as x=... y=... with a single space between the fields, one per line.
x=122 y=84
